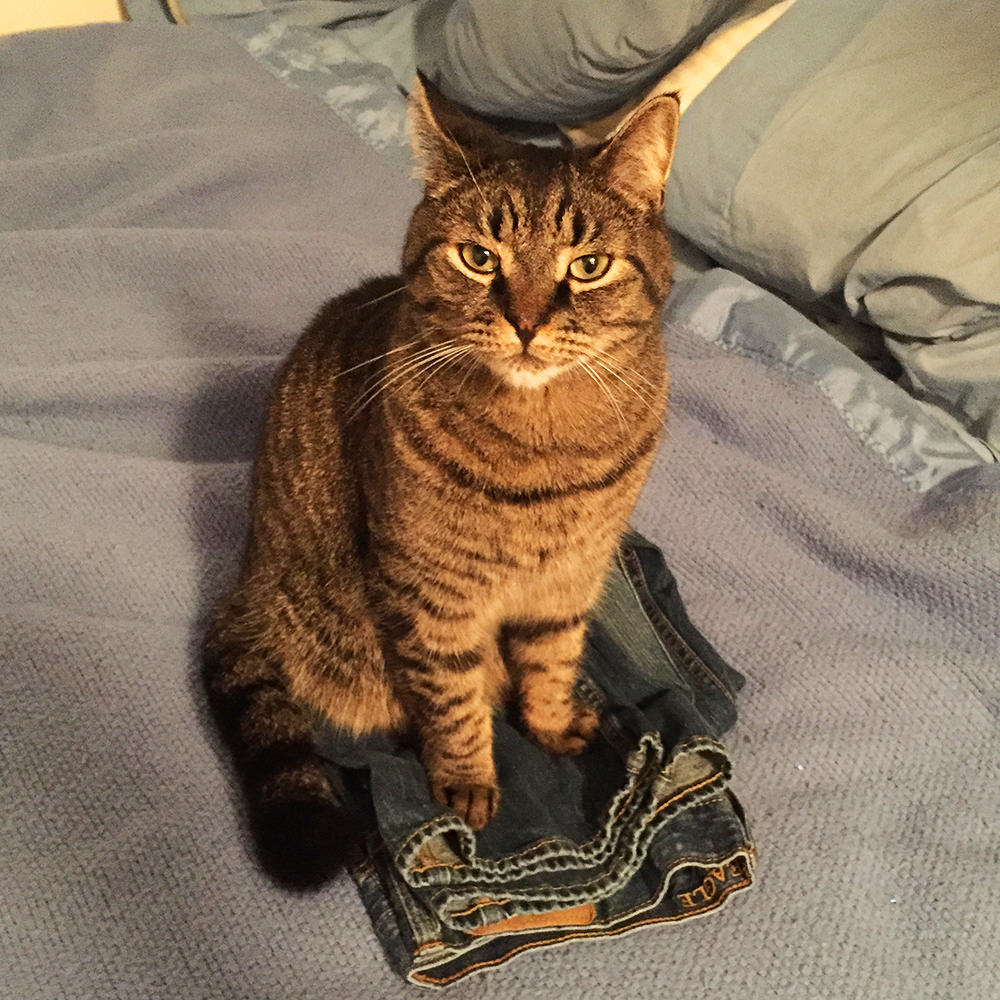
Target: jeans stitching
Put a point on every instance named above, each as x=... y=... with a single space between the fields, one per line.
x=536 y=853
x=536 y=859
x=661 y=625
x=606 y=931
x=480 y=905
x=639 y=835
x=594 y=851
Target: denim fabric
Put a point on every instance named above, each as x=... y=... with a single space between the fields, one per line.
x=639 y=829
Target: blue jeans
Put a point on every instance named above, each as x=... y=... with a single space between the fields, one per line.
x=640 y=829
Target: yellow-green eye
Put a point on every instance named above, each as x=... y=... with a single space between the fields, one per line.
x=590 y=267
x=478 y=259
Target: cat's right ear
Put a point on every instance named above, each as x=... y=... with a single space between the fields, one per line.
x=448 y=146
x=636 y=159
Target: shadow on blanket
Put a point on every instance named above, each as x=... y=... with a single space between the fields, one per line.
x=300 y=845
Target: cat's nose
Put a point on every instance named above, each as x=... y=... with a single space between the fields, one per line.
x=524 y=327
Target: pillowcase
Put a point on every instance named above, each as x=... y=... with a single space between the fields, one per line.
x=851 y=154
x=693 y=74
x=561 y=60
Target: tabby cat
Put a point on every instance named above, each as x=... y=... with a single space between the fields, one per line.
x=448 y=463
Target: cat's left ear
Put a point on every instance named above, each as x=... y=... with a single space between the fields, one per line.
x=448 y=145
x=637 y=158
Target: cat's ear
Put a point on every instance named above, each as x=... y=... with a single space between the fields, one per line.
x=448 y=145
x=637 y=158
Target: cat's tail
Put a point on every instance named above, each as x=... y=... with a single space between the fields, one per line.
x=301 y=826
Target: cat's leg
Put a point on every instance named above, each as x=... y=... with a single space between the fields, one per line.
x=446 y=674
x=543 y=657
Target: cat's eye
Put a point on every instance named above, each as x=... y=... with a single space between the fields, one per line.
x=478 y=259
x=590 y=267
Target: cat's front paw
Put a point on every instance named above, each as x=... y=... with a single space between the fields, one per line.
x=476 y=804
x=572 y=740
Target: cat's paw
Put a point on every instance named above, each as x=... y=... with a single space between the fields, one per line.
x=476 y=804
x=572 y=740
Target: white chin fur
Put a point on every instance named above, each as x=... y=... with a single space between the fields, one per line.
x=522 y=379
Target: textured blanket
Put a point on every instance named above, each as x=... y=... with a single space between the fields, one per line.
x=170 y=215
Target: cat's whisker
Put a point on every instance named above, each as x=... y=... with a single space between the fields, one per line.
x=410 y=367
x=373 y=380
x=387 y=382
x=468 y=166
x=381 y=298
x=643 y=397
x=630 y=377
x=623 y=368
x=450 y=359
x=435 y=365
x=607 y=392
x=378 y=357
x=470 y=367
x=384 y=378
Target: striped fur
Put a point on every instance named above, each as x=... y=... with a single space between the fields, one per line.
x=448 y=463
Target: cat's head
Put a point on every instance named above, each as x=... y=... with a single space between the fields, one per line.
x=538 y=260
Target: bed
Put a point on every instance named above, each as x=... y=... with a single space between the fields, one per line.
x=176 y=201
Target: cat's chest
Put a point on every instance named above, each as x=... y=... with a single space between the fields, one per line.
x=557 y=585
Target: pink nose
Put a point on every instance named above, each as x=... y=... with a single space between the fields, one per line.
x=525 y=328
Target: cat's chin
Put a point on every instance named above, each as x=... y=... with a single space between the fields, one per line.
x=521 y=378
x=527 y=373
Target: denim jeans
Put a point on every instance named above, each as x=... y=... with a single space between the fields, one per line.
x=640 y=829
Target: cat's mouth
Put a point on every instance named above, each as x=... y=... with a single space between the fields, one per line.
x=529 y=363
x=527 y=371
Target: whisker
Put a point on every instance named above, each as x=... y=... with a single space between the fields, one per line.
x=622 y=368
x=467 y=166
x=607 y=392
x=628 y=385
x=450 y=359
x=384 y=378
x=470 y=368
x=411 y=367
x=378 y=357
x=423 y=352
x=432 y=367
x=380 y=298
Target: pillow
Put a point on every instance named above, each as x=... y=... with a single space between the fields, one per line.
x=562 y=60
x=693 y=74
x=851 y=154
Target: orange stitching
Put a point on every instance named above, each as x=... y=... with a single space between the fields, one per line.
x=479 y=906
x=438 y=864
x=425 y=945
x=746 y=851
x=583 y=934
x=688 y=791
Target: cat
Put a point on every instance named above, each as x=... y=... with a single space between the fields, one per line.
x=449 y=460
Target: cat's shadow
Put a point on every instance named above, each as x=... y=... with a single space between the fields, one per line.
x=216 y=438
